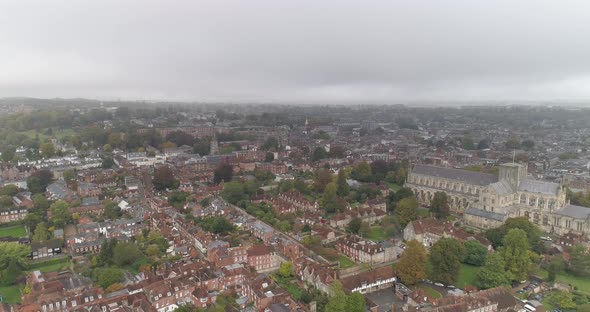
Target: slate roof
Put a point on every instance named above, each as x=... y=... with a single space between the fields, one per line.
x=502 y=188
x=485 y=214
x=469 y=177
x=536 y=186
x=577 y=212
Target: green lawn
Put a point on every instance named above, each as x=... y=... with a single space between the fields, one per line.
x=377 y=234
x=51 y=265
x=423 y=212
x=345 y=262
x=58 y=133
x=582 y=284
x=466 y=275
x=13 y=231
x=546 y=304
x=394 y=186
x=290 y=286
x=430 y=291
x=11 y=294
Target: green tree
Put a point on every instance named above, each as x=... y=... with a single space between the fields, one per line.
x=362 y=172
x=9 y=190
x=216 y=224
x=8 y=154
x=271 y=144
x=269 y=157
x=152 y=250
x=40 y=233
x=354 y=225
x=35 y=185
x=411 y=267
x=284 y=226
x=164 y=179
x=513 y=143
x=533 y=233
x=475 y=253
x=321 y=178
x=337 y=302
x=492 y=273
x=579 y=263
x=515 y=253
x=355 y=302
x=107 y=163
x=467 y=143
x=106 y=277
x=69 y=176
x=343 y=187
x=562 y=299
x=60 y=213
x=187 y=308
x=440 y=205
x=40 y=202
x=319 y=153
x=31 y=220
x=446 y=256
x=106 y=252
x=9 y=275
x=112 y=211
x=406 y=210
x=483 y=144
x=47 y=150
x=528 y=144
x=330 y=200
x=233 y=192
x=224 y=172
x=286 y=269
x=126 y=253
x=107 y=148
x=13 y=259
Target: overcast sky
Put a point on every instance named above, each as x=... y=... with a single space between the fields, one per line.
x=296 y=51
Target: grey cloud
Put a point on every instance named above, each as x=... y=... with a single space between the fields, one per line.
x=296 y=51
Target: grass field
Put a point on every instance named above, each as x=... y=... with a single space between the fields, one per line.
x=51 y=265
x=423 y=212
x=345 y=262
x=466 y=275
x=394 y=186
x=11 y=294
x=582 y=284
x=377 y=234
x=13 y=231
x=58 y=133
x=430 y=291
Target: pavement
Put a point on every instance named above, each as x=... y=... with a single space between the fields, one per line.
x=384 y=299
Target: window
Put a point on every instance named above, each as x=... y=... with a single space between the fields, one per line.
x=532 y=201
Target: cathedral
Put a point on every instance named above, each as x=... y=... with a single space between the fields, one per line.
x=487 y=200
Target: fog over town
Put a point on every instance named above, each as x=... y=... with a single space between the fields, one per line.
x=294 y=156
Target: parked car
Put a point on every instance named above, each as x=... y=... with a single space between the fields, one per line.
x=439 y=284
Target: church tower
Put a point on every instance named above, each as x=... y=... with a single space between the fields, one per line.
x=214 y=146
x=512 y=173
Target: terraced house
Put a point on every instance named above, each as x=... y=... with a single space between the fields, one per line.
x=487 y=200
